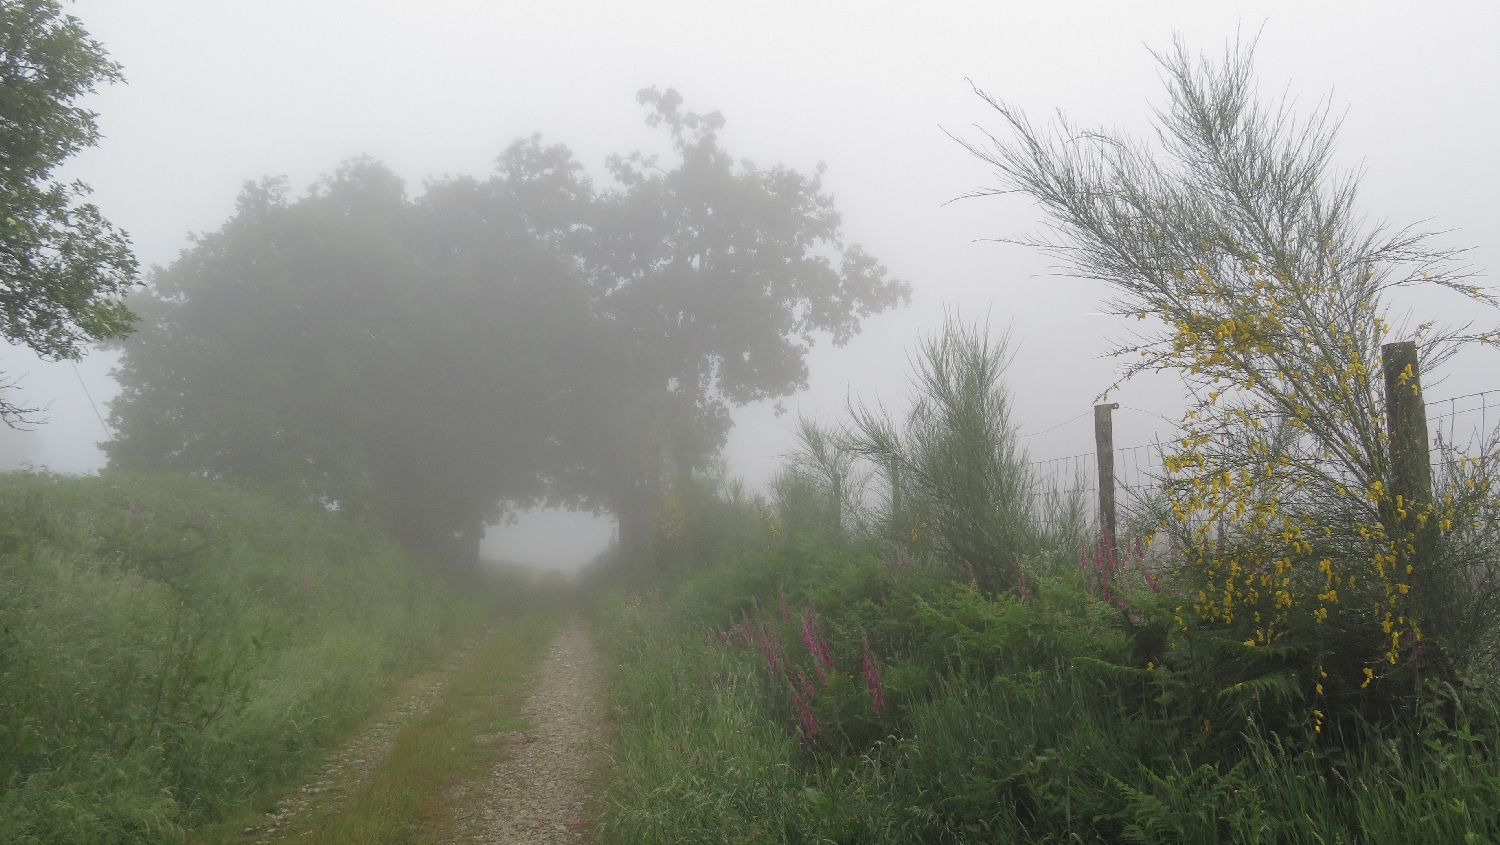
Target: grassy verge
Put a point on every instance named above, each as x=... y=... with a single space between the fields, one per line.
x=173 y=650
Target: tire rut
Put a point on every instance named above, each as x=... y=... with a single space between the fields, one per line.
x=349 y=767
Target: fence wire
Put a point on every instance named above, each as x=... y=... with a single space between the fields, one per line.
x=1458 y=426
x=1463 y=425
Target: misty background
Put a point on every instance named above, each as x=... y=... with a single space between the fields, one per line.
x=222 y=93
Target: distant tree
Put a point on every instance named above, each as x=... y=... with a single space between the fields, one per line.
x=380 y=354
x=63 y=266
x=712 y=279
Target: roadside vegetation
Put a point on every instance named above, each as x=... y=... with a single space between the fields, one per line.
x=913 y=639
x=175 y=649
x=796 y=678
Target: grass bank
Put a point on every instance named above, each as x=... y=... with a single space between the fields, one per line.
x=174 y=650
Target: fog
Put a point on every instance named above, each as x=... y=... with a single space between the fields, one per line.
x=220 y=93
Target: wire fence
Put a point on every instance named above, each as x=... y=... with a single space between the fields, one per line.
x=1458 y=426
x=1463 y=424
x=1136 y=468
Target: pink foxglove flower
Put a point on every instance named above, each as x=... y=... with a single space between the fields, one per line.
x=872 y=677
x=805 y=714
x=813 y=639
x=1140 y=565
x=765 y=649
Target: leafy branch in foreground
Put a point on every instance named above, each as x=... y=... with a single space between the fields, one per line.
x=63 y=267
x=1264 y=288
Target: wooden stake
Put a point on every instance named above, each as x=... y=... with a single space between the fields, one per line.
x=1406 y=416
x=1104 y=449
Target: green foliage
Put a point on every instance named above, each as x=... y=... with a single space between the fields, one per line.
x=705 y=516
x=1060 y=717
x=819 y=679
x=63 y=266
x=821 y=489
x=171 y=648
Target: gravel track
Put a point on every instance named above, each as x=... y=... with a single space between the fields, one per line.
x=542 y=792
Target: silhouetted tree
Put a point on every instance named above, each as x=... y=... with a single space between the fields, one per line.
x=342 y=345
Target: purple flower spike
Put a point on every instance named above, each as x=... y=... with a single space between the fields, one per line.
x=813 y=639
x=765 y=649
x=805 y=714
x=872 y=677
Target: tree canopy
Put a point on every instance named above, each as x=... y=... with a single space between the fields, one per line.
x=495 y=342
x=63 y=266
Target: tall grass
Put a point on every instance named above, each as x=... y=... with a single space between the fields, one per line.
x=173 y=648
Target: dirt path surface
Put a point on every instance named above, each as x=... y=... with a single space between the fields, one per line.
x=348 y=768
x=542 y=792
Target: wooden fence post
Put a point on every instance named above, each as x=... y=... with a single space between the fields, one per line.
x=1411 y=468
x=1104 y=450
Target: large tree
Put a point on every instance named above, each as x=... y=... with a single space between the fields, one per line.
x=494 y=342
x=63 y=266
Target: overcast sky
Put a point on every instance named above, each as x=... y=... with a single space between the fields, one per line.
x=225 y=91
